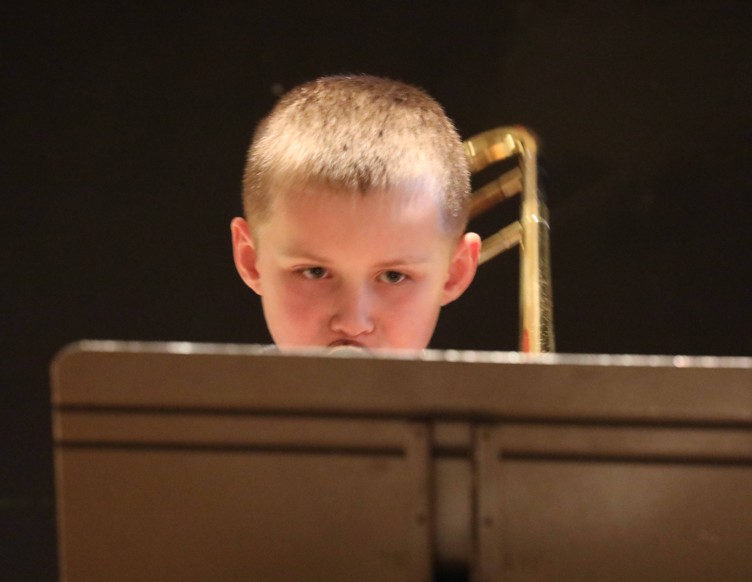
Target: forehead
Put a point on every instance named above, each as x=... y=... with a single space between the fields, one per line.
x=324 y=217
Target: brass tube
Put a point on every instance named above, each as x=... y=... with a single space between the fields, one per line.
x=531 y=231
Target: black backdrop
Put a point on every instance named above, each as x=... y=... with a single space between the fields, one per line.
x=125 y=128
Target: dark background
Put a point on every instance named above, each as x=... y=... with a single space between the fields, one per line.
x=124 y=133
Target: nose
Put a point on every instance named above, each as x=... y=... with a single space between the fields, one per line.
x=353 y=312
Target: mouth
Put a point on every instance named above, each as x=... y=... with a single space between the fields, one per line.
x=347 y=348
x=344 y=342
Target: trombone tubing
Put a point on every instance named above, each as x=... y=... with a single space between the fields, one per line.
x=535 y=300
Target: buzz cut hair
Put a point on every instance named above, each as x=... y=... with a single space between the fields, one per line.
x=358 y=133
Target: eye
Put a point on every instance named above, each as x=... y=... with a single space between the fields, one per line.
x=314 y=273
x=392 y=277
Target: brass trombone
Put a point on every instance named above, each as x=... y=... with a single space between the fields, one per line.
x=531 y=231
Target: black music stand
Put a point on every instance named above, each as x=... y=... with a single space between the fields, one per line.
x=196 y=461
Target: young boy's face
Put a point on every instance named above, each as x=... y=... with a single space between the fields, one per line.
x=340 y=268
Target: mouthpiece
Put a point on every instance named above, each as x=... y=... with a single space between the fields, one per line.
x=347 y=351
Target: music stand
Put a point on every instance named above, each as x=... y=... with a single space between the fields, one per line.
x=199 y=461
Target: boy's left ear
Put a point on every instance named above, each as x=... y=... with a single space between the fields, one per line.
x=462 y=268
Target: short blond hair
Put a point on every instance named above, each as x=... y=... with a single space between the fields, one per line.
x=357 y=133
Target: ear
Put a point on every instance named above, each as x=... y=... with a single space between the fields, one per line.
x=244 y=254
x=462 y=268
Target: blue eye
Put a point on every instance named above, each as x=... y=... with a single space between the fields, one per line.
x=314 y=272
x=392 y=277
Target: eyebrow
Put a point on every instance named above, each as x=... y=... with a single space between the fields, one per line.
x=406 y=261
x=301 y=254
x=295 y=253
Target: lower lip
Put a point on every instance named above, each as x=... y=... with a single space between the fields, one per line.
x=346 y=350
x=345 y=343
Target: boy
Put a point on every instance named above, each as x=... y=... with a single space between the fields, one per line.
x=355 y=194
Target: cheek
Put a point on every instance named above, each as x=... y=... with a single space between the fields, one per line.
x=413 y=301
x=413 y=314
x=296 y=301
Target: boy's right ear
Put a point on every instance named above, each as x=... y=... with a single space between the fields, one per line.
x=244 y=254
